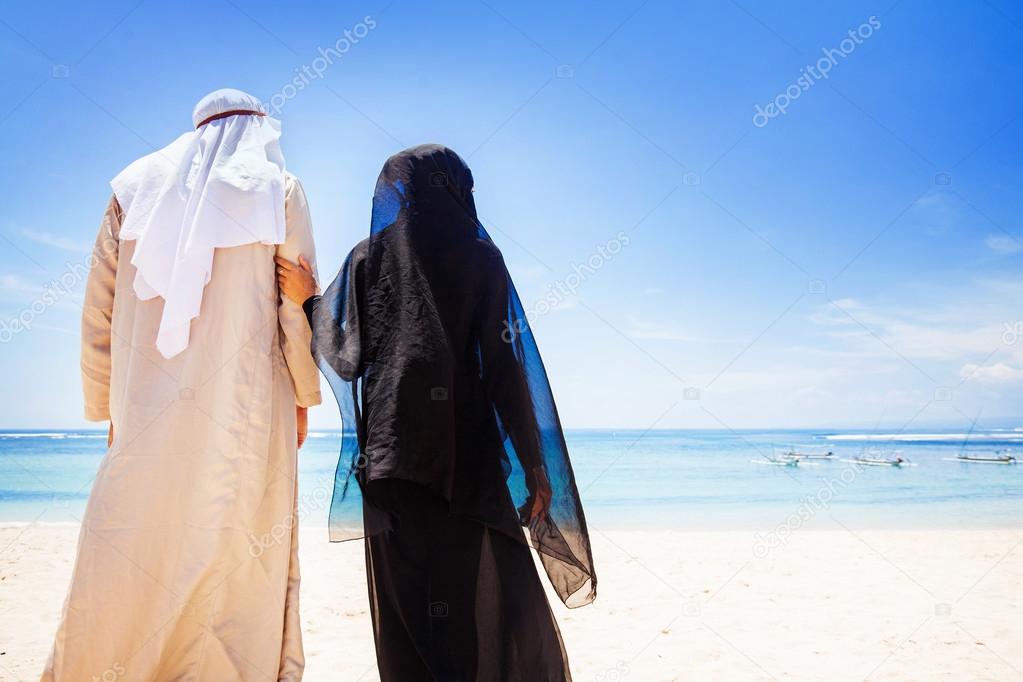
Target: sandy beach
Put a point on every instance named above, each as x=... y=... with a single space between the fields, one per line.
x=833 y=604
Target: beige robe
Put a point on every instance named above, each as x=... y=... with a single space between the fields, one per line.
x=187 y=564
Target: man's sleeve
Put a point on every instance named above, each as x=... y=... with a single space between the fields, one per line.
x=296 y=336
x=97 y=313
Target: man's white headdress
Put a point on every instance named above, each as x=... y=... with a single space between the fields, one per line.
x=218 y=186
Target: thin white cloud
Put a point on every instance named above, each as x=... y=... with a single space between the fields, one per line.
x=528 y=271
x=59 y=330
x=14 y=283
x=566 y=303
x=997 y=373
x=936 y=214
x=55 y=241
x=660 y=331
x=927 y=333
x=787 y=378
x=1003 y=244
x=19 y=291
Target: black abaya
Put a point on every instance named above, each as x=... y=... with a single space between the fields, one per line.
x=453 y=600
x=453 y=437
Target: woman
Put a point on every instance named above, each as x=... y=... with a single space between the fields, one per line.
x=453 y=437
x=187 y=565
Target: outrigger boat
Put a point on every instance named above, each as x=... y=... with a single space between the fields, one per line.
x=998 y=457
x=793 y=453
x=783 y=462
x=880 y=460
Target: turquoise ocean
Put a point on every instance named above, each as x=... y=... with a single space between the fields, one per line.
x=686 y=479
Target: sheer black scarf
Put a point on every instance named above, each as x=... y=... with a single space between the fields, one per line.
x=426 y=346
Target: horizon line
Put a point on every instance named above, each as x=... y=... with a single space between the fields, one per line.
x=874 y=428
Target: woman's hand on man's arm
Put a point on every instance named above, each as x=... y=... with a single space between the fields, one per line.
x=296 y=280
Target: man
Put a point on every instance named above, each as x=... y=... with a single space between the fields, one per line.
x=187 y=562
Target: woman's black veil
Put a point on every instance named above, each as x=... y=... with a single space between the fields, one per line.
x=384 y=308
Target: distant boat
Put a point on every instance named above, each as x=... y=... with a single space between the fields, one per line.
x=804 y=454
x=778 y=462
x=894 y=460
x=998 y=457
x=784 y=462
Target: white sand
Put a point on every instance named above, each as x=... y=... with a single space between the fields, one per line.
x=672 y=605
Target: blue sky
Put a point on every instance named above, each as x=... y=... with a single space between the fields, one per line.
x=851 y=262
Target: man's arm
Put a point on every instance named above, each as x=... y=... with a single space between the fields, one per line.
x=296 y=336
x=97 y=313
